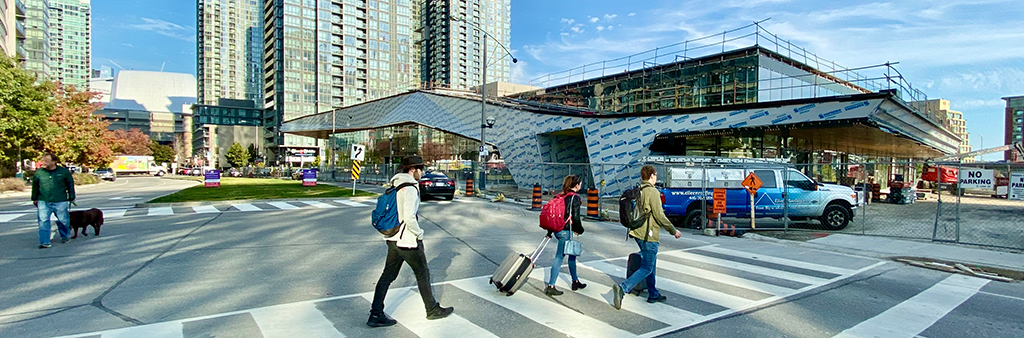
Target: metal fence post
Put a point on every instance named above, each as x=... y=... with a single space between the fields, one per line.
x=938 y=208
x=959 y=170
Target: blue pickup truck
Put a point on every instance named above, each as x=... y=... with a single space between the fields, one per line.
x=833 y=205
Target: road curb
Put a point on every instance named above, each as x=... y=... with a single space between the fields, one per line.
x=200 y=203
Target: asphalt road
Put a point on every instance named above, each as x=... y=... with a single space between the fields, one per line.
x=123 y=193
x=309 y=270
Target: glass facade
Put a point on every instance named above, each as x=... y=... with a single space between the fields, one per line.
x=326 y=54
x=229 y=41
x=452 y=52
x=70 y=42
x=395 y=142
x=728 y=79
x=160 y=127
x=37 y=38
x=235 y=116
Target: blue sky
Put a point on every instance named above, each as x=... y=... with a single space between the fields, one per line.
x=969 y=52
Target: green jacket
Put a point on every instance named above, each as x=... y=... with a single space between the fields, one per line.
x=650 y=201
x=53 y=186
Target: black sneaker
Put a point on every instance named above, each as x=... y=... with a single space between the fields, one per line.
x=380 y=320
x=660 y=299
x=65 y=240
x=617 y=297
x=44 y=246
x=440 y=312
x=552 y=291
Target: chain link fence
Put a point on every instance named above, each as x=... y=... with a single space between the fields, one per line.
x=904 y=199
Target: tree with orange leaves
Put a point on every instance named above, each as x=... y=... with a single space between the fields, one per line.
x=133 y=142
x=83 y=138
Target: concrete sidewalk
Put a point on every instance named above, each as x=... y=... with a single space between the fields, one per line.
x=885 y=248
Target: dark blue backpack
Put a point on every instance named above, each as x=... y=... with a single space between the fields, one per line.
x=385 y=216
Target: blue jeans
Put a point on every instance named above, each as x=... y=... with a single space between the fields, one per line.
x=556 y=266
x=60 y=209
x=648 y=260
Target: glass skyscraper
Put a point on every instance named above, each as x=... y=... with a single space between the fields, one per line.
x=70 y=42
x=325 y=54
x=452 y=51
x=37 y=38
x=229 y=43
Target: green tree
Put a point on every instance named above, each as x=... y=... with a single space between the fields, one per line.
x=161 y=153
x=24 y=109
x=83 y=137
x=237 y=156
x=254 y=155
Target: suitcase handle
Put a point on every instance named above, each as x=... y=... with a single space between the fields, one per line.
x=540 y=249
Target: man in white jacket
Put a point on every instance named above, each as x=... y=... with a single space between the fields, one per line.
x=406 y=246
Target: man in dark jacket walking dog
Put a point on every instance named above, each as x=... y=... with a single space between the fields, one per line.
x=406 y=246
x=53 y=189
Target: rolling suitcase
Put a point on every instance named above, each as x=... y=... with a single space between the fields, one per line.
x=515 y=270
x=632 y=265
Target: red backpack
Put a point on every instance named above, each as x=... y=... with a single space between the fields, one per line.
x=552 y=215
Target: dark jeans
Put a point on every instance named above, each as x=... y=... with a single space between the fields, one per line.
x=648 y=265
x=417 y=261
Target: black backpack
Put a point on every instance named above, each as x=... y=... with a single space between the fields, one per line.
x=631 y=215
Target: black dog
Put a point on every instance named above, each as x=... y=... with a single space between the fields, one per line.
x=83 y=218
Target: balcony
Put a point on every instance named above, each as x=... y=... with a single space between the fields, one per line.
x=20 y=27
x=19 y=9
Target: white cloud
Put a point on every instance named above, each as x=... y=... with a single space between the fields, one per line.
x=610 y=16
x=165 y=28
x=568 y=21
x=974 y=104
x=1001 y=80
x=610 y=27
x=600 y=28
x=577 y=28
x=631 y=14
x=594 y=19
x=128 y=45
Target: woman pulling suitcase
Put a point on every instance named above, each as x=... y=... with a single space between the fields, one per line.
x=570 y=185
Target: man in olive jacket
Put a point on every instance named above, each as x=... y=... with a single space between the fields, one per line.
x=647 y=237
x=53 y=189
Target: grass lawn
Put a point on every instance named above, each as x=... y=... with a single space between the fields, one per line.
x=235 y=188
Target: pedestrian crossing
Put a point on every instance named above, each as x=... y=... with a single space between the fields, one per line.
x=702 y=284
x=30 y=216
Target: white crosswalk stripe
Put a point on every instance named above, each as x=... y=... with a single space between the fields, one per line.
x=205 y=209
x=692 y=291
x=320 y=205
x=285 y=320
x=542 y=311
x=351 y=203
x=283 y=205
x=657 y=311
x=913 y=316
x=115 y=213
x=161 y=211
x=312 y=318
x=747 y=267
x=406 y=307
x=246 y=207
x=10 y=217
x=726 y=279
x=777 y=260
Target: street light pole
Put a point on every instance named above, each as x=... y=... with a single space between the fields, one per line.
x=334 y=152
x=481 y=184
